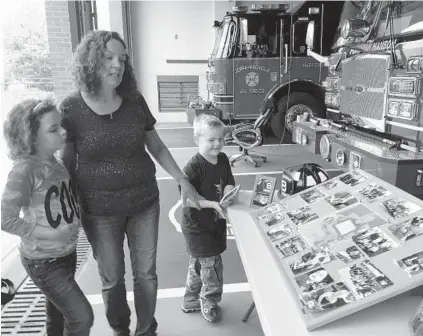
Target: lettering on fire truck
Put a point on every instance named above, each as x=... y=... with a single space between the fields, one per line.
x=252 y=67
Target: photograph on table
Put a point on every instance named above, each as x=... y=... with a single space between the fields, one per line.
x=399 y=208
x=364 y=279
x=341 y=200
x=416 y=322
x=274 y=219
x=290 y=247
x=330 y=184
x=312 y=195
x=412 y=264
x=350 y=254
x=353 y=178
x=279 y=232
x=264 y=187
x=339 y=226
x=374 y=241
x=329 y=297
x=310 y=260
x=313 y=280
x=302 y=215
x=374 y=192
x=408 y=229
x=268 y=211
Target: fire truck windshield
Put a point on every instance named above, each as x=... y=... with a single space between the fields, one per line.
x=406 y=16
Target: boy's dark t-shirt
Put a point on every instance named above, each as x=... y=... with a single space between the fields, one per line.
x=204 y=230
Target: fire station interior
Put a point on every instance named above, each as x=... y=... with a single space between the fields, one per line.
x=325 y=234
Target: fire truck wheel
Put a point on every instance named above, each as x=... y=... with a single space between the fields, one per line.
x=299 y=103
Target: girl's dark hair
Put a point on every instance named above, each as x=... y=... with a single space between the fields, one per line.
x=22 y=124
x=88 y=61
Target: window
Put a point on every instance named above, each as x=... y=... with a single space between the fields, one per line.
x=173 y=92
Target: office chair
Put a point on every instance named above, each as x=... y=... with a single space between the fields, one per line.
x=249 y=136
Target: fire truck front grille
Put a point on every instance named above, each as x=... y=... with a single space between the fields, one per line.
x=363 y=85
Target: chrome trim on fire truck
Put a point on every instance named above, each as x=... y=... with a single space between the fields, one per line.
x=415 y=128
x=332 y=110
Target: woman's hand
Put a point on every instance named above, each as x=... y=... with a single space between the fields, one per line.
x=189 y=195
x=219 y=209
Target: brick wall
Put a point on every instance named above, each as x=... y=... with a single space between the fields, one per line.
x=60 y=46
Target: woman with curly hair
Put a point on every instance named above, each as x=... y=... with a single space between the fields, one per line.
x=109 y=127
x=39 y=187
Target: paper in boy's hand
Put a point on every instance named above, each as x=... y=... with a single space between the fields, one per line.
x=228 y=198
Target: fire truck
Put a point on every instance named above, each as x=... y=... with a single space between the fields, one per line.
x=260 y=54
x=373 y=93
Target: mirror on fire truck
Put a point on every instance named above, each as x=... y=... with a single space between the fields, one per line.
x=310 y=35
x=244 y=32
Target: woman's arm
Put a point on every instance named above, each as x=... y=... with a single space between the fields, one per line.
x=162 y=155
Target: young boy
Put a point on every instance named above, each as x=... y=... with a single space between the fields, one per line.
x=204 y=230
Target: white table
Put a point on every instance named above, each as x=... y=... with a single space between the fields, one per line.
x=277 y=304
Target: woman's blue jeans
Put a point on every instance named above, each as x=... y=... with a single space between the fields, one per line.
x=106 y=235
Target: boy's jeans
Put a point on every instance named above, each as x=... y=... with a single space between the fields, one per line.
x=204 y=281
x=68 y=311
x=106 y=235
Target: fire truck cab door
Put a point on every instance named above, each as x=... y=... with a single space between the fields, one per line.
x=253 y=79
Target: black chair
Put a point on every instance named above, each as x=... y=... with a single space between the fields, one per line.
x=250 y=136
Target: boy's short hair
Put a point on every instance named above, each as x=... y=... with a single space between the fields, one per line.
x=22 y=123
x=205 y=121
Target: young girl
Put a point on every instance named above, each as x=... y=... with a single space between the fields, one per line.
x=39 y=186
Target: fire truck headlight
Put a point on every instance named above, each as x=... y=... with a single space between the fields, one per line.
x=415 y=65
x=332 y=99
x=332 y=83
x=404 y=86
x=402 y=108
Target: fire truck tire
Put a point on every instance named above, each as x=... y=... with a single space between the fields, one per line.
x=299 y=103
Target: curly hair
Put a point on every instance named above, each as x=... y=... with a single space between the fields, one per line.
x=22 y=124
x=88 y=61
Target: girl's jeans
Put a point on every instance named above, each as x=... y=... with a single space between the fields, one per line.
x=106 y=235
x=68 y=311
x=204 y=281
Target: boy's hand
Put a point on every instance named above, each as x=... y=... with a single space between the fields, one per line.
x=219 y=209
x=66 y=233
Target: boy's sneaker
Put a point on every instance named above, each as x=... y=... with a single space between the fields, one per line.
x=191 y=307
x=211 y=314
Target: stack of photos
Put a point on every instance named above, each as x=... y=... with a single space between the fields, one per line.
x=374 y=242
x=332 y=183
x=279 y=232
x=302 y=215
x=290 y=246
x=350 y=254
x=364 y=279
x=416 y=323
x=330 y=297
x=312 y=281
x=353 y=178
x=268 y=211
x=400 y=208
x=408 y=229
x=412 y=264
x=311 y=260
x=312 y=195
x=341 y=200
x=339 y=226
x=374 y=192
